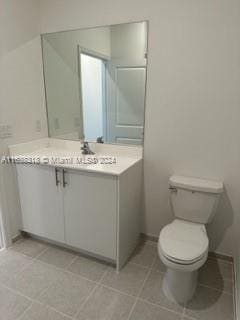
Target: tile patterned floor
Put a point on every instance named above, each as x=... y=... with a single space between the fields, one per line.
x=42 y=282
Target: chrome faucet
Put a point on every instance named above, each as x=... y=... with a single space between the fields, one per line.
x=100 y=139
x=86 y=149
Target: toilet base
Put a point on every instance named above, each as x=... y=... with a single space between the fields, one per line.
x=179 y=286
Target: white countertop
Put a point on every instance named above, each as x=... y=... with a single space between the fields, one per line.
x=108 y=159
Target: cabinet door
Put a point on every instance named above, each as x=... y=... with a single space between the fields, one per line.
x=41 y=201
x=90 y=209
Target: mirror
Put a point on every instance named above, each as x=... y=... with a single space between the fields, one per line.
x=95 y=82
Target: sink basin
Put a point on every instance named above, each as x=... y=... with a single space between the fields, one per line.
x=108 y=159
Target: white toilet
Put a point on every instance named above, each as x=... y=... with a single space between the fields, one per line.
x=183 y=244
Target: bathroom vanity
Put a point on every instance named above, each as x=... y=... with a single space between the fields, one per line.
x=67 y=199
x=95 y=82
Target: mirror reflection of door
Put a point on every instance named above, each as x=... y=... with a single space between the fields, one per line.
x=126 y=102
x=112 y=100
x=93 y=96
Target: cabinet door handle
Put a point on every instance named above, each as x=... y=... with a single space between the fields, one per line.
x=64 y=178
x=56 y=177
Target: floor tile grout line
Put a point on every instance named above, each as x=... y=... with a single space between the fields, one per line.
x=145 y=300
x=20 y=240
x=103 y=275
x=86 y=300
x=31 y=262
x=46 y=290
x=140 y=265
x=65 y=271
x=25 y=311
x=42 y=253
x=59 y=269
x=159 y=306
x=132 y=309
x=43 y=292
x=71 y=262
x=57 y=311
x=140 y=299
x=147 y=276
x=68 y=264
x=25 y=255
x=223 y=261
x=98 y=284
x=25 y=265
x=117 y=291
x=202 y=284
x=225 y=278
x=140 y=290
x=221 y=277
x=17 y=292
x=215 y=289
x=34 y=300
x=105 y=272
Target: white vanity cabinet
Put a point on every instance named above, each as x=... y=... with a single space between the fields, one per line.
x=90 y=210
x=93 y=212
x=41 y=202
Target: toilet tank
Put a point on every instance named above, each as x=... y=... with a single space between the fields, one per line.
x=194 y=199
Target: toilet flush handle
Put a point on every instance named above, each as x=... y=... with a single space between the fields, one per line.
x=172 y=189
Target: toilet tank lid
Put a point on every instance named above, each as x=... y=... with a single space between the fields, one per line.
x=196 y=184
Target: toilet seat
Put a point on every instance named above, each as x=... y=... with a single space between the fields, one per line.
x=183 y=242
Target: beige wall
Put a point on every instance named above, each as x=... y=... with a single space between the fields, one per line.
x=22 y=95
x=193 y=96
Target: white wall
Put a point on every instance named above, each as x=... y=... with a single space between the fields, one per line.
x=129 y=44
x=62 y=91
x=193 y=96
x=65 y=43
x=22 y=94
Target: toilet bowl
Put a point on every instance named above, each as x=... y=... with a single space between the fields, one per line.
x=183 y=248
x=183 y=244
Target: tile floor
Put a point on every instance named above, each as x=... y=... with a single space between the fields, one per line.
x=42 y=282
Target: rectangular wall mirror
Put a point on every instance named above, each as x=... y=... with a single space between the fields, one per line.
x=95 y=81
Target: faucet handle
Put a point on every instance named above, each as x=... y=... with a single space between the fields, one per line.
x=86 y=149
x=100 y=139
x=85 y=145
